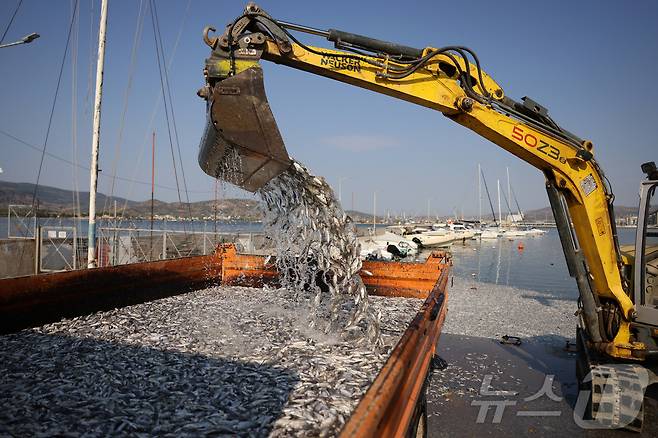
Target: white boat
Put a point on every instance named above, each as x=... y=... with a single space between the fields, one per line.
x=515 y=232
x=418 y=230
x=400 y=241
x=461 y=232
x=386 y=246
x=435 y=232
x=375 y=253
x=491 y=234
x=535 y=232
x=434 y=240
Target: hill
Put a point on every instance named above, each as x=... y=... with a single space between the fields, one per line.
x=48 y=198
x=59 y=202
x=53 y=201
x=545 y=213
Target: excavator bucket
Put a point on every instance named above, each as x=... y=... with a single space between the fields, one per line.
x=242 y=143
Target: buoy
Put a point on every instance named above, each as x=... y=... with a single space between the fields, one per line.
x=520 y=246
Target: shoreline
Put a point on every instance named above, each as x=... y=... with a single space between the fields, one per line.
x=489 y=310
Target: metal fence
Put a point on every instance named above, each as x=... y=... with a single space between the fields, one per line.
x=58 y=249
x=21 y=222
x=61 y=248
x=120 y=246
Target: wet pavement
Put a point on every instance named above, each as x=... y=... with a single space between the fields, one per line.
x=532 y=386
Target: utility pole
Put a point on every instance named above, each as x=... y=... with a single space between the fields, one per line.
x=428 y=211
x=152 y=191
x=96 y=132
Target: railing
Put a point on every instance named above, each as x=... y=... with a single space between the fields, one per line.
x=64 y=247
x=58 y=249
x=120 y=246
x=21 y=222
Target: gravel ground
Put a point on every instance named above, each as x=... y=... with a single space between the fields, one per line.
x=221 y=361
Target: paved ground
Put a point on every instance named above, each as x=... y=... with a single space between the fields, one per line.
x=481 y=371
x=456 y=400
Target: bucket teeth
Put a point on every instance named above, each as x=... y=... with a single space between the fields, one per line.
x=241 y=143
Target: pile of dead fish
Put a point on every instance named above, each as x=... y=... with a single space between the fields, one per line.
x=220 y=361
x=318 y=254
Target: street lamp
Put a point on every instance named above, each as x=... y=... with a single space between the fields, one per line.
x=25 y=40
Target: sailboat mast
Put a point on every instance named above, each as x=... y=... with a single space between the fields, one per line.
x=509 y=190
x=374 y=212
x=499 y=213
x=152 y=192
x=479 y=195
x=96 y=132
x=518 y=207
x=486 y=188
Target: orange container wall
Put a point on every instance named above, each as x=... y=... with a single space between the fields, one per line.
x=387 y=408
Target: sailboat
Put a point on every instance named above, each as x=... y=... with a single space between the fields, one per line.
x=512 y=229
x=488 y=233
x=531 y=231
x=515 y=231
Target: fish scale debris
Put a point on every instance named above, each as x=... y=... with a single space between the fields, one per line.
x=220 y=361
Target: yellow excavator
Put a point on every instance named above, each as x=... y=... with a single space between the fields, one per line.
x=617 y=334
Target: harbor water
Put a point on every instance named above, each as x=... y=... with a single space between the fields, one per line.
x=530 y=263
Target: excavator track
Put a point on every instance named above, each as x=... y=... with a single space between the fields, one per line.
x=614 y=392
x=618 y=395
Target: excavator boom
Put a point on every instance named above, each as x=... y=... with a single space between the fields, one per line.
x=241 y=129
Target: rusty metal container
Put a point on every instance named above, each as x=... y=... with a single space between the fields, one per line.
x=392 y=405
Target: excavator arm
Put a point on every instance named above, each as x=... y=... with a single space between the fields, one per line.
x=242 y=135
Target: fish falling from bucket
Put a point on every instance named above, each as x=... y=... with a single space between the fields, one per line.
x=317 y=252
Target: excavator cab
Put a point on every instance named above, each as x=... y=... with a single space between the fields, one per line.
x=646 y=249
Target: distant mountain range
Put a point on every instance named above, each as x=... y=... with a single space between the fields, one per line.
x=545 y=213
x=60 y=202
x=54 y=201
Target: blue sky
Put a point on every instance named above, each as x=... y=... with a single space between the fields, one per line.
x=594 y=64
